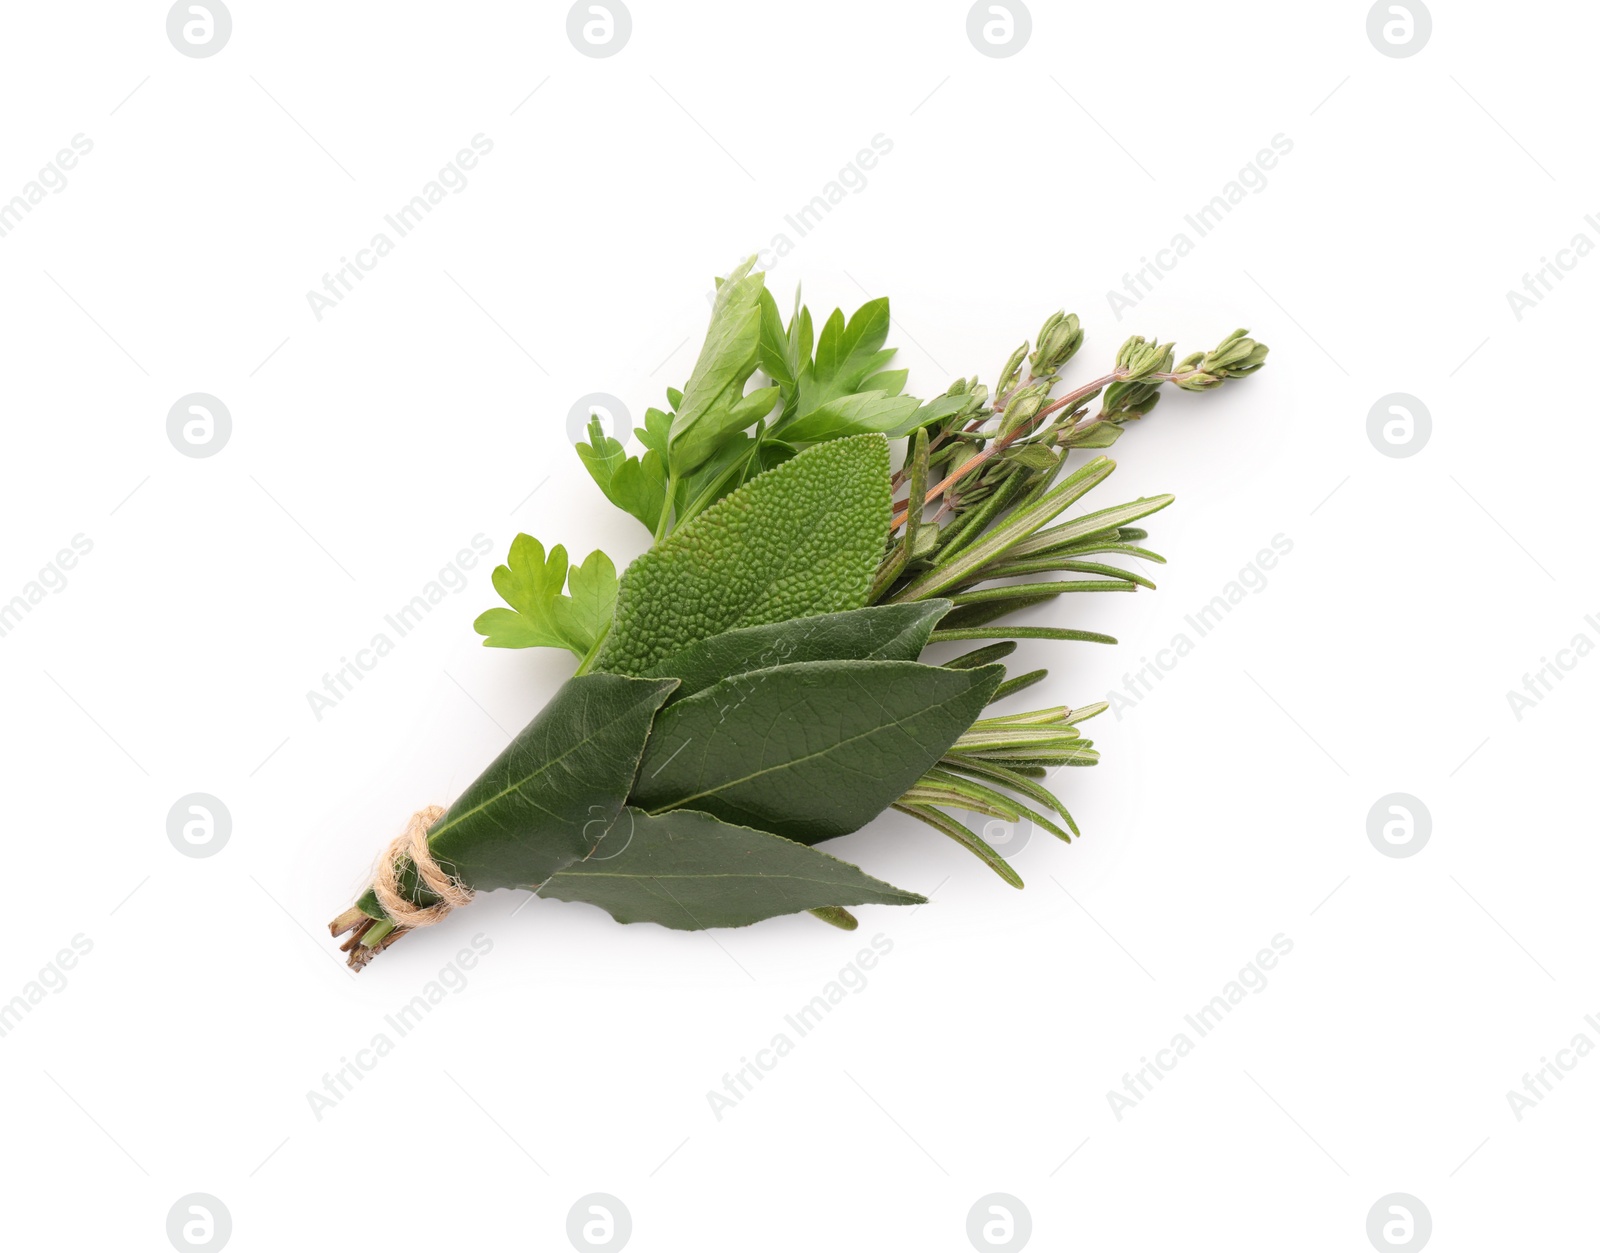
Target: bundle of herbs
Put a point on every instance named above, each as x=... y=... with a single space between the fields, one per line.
x=752 y=685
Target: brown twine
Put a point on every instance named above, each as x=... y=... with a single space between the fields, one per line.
x=412 y=845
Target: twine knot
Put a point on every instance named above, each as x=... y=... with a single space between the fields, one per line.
x=412 y=845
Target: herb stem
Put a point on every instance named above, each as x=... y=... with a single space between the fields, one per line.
x=663 y=523
x=1069 y=401
x=966 y=467
x=588 y=661
x=375 y=933
x=1079 y=394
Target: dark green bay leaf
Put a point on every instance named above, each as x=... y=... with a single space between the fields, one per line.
x=811 y=750
x=804 y=538
x=686 y=870
x=547 y=799
x=878 y=633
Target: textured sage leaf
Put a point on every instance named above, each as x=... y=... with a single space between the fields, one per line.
x=687 y=870
x=549 y=797
x=801 y=539
x=810 y=750
x=878 y=633
x=540 y=614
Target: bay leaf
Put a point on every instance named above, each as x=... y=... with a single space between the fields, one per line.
x=810 y=750
x=546 y=800
x=687 y=870
x=877 y=633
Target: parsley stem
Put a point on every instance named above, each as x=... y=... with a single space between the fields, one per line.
x=663 y=522
x=588 y=661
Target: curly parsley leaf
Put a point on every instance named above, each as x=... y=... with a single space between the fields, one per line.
x=636 y=485
x=847 y=355
x=541 y=616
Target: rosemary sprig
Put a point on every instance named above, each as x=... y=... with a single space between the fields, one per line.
x=988 y=540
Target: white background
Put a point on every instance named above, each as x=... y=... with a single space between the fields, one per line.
x=371 y=446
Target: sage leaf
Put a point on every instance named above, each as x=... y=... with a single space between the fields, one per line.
x=688 y=871
x=804 y=538
x=811 y=750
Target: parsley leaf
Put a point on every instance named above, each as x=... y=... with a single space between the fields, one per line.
x=846 y=355
x=636 y=485
x=540 y=615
